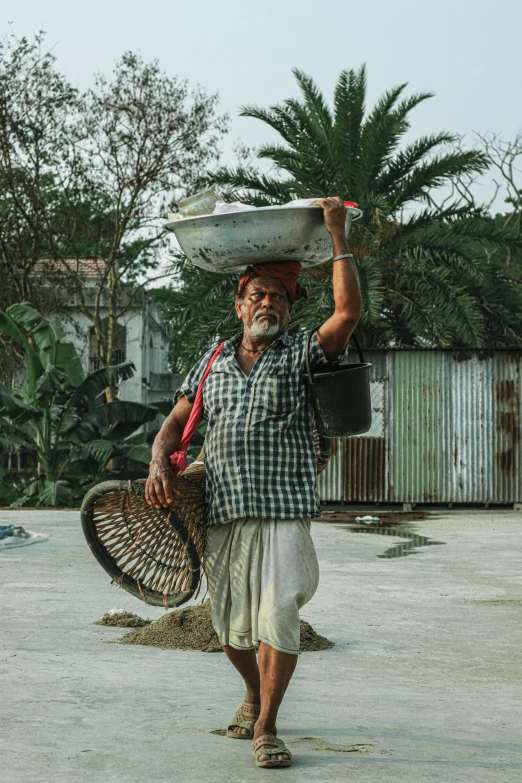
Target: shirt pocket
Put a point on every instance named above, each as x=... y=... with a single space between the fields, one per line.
x=220 y=392
x=277 y=391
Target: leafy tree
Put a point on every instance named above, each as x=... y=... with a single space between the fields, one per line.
x=61 y=420
x=89 y=175
x=430 y=277
x=504 y=157
x=36 y=103
x=198 y=309
x=142 y=139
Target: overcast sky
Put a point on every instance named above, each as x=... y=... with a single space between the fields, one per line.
x=467 y=53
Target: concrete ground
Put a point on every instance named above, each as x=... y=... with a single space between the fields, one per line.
x=424 y=683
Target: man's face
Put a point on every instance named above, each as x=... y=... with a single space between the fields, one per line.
x=264 y=309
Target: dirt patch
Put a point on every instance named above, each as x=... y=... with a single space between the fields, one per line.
x=320 y=744
x=122 y=619
x=311 y=640
x=183 y=629
x=191 y=629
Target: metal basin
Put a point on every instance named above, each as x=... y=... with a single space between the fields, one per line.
x=228 y=243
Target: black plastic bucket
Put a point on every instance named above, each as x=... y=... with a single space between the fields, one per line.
x=340 y=395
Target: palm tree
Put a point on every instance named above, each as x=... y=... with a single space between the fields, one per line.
x=430 y=276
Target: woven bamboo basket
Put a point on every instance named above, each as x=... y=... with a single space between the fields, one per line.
x=155 y=554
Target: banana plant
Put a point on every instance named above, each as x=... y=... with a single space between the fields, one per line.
x=59 y=417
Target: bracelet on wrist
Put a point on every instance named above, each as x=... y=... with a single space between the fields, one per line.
x=344 y=255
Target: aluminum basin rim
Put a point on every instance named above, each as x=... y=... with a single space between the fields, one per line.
x=355 y=213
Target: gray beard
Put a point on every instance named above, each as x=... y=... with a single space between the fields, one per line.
x=264 y=329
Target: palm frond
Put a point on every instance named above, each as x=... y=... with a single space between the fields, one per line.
x=253 y=188
x=429 y=276
x=349 y=108
x=405 y=160
x=383 y=131
x=435 y=173
x=277 y=117
x=315 y=102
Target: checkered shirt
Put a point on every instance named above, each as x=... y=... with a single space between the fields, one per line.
x=259 y=452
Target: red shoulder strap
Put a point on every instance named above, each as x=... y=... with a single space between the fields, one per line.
x=178 y=460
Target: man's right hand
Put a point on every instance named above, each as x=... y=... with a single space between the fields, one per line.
x=160 y=489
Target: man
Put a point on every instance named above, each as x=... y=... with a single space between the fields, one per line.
x=261 y=479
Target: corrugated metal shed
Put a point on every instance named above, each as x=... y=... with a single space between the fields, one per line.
x=446 y=428
x=358 y=471
x=507 y=483
x=416 y=408
x=331 y=480
x=364 y=469
x=469 y=427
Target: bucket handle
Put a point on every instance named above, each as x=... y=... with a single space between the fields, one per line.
x=307 y=352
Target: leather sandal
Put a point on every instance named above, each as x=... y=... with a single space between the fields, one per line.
x=271 y=746
x=245 y=720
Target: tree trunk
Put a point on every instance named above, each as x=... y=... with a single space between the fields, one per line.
x=111 y=392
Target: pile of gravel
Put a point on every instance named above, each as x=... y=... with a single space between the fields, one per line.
x=191 y=629
x=311 y=640
x=122 y=619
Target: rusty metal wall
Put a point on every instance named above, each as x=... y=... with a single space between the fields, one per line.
x=507 y=483
x=357 y=472
x=415 y=416
x=364 y=469
x=454 y=424
x=469 y=429
x=446 y=428
x=330 y=481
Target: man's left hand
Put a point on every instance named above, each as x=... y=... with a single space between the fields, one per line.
x=334 y=215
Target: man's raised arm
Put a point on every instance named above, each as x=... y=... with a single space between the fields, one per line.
x=160 y=488
x=335 y=332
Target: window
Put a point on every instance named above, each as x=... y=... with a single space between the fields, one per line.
x=119 y=351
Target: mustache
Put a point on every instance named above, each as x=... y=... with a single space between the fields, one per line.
x=266 y=312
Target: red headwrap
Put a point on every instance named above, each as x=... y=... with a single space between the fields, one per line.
x=286 y=271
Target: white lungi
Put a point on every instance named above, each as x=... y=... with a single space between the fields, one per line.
x=260 y=573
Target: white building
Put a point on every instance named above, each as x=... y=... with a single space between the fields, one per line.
x=139 y=339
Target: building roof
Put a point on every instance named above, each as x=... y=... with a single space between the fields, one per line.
x=81 y=266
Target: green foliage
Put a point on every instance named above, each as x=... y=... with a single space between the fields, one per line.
x=37 y=105
x=198 y=312
x=60 y=420
x=91 y=175
x=429 y=277
x=9 y=493
x=349 y=152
